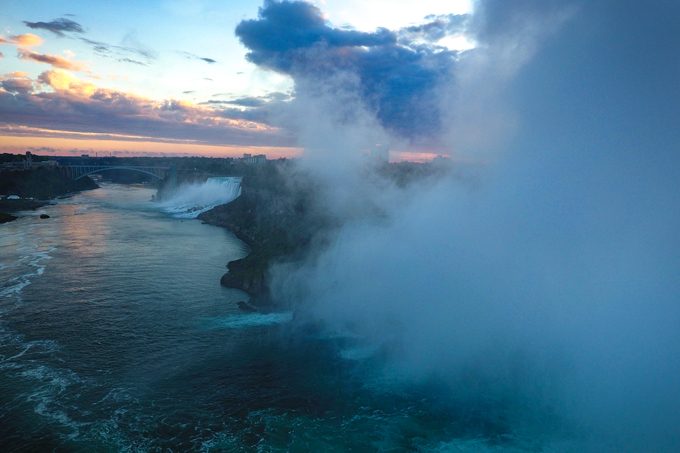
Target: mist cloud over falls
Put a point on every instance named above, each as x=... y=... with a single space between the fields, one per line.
x=548 y=281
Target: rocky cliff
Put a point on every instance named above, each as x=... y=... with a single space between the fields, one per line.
x=41 y=183
x=35 y=187
x=274 y=216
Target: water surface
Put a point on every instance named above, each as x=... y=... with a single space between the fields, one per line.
x=115 y=335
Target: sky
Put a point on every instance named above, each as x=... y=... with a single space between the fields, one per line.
x=428 y=77
x=176 y=77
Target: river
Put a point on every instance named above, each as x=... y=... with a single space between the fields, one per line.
x=115 y=335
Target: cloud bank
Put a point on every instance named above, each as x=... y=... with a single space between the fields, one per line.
x=59 y=101
x=395 y=76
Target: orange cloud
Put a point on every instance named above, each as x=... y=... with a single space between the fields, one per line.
x=14 y=75
x=81 y=107
x=54 y=60
x=24 y=40
x=27 y=40
x=63 y=81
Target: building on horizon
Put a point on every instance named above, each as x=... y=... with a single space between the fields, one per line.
x=254 y=160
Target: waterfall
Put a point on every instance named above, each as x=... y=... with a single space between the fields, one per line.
x=190 y=200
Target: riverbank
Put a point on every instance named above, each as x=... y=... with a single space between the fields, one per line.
x=275 y=217
x=281 y=213
x=35 y=188
x=4 y=217
x=15 y=205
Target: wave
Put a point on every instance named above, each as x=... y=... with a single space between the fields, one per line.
x=33 y=265
x=190 y=200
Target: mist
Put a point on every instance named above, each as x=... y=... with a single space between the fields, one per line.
x=539 y=276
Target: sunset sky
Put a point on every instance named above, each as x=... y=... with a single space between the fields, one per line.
x=172 y=77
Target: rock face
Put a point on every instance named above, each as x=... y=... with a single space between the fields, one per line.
x=273 y=216
x=4 y=217
x=41 y=184
x=22 y=204
x=281 y=215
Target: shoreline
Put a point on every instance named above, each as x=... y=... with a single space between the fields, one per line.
x=37 y=188
x=9 y=207
x=234 y=277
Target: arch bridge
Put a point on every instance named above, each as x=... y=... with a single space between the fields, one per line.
x=80 y=171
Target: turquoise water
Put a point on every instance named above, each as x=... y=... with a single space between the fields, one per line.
x=115 y=335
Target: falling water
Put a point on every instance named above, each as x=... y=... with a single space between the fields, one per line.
x=190 y=200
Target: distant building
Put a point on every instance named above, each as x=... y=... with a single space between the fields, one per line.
x=253 y=160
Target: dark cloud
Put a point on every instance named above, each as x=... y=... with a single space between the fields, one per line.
x=57 y=26
x=249 y=101
x=251 y=108
x=192 y=56
x=256 y=115
x=257 y=101
x=17 y=85
x=396 y=81
x=127 y=54
x=438 y=27
x=130 y=60
x=286 y=27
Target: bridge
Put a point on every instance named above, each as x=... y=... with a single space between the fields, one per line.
x=80 y=171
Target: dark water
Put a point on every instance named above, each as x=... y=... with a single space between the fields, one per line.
x=115 y=335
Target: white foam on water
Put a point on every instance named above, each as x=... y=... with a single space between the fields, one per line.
x=254 y=320
x=35 y=264
x=190 y=200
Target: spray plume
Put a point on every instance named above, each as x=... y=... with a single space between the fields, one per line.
x=549 y=284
